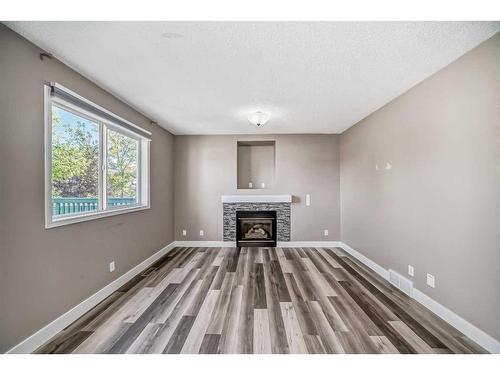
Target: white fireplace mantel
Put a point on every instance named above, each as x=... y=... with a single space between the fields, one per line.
x=257 y=198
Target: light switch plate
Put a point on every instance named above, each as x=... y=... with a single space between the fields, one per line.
x=263 y=185
x=112 y=266
x=308 y=200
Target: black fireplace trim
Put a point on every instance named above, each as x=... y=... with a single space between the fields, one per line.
x=256 y=214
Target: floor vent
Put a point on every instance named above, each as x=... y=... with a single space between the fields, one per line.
x=400 y=282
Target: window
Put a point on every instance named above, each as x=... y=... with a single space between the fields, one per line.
x=97 y=164
x=121 y=176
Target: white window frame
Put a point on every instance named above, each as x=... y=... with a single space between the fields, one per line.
x=143 y=164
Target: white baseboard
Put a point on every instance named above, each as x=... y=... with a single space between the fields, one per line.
x=50 y=330
x=366 y=261
x=205 y=243
x=309 y=243
x=468 y=329
x=280 y=243
x=455 y=320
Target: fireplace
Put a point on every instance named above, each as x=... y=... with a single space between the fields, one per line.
x=256 y=228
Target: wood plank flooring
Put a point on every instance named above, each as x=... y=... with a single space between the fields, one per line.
x=259 y=300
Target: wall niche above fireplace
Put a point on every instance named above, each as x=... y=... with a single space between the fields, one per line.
x=256 y=164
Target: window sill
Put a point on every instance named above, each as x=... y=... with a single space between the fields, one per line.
x=53 y=223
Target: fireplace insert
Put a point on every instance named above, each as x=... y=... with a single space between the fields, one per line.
x=256 y=228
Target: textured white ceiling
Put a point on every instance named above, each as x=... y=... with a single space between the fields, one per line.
x=205 y=77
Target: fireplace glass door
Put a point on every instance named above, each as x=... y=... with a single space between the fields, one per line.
x=256 y=228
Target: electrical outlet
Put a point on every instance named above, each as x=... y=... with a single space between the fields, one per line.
x=388 y=166
x=411 y=270
x=250 y=185
x=112 y=266
x=308 y=200
x=202 y=233
x=431 y=281
x=325 y=232
x=263 y=185
x=184 y=232
x=376 y=167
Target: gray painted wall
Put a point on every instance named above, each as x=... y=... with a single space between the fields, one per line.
x=45 y=272
x=206 y=168
x=438 y=208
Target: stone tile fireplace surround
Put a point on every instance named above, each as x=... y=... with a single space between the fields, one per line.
x=279 y=203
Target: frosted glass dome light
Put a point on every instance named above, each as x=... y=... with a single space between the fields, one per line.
x=258 y=118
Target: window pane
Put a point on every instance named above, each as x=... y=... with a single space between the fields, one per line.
x=75 y=163
x=122 y=161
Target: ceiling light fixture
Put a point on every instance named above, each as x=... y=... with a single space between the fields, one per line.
x=258 y=118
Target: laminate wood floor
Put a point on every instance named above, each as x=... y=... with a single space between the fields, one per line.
x=259 y=300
